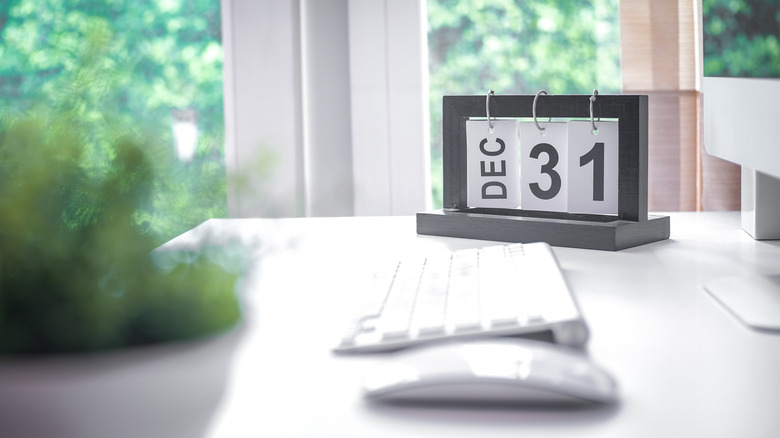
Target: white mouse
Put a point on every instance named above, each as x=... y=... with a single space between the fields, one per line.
x=498 y=370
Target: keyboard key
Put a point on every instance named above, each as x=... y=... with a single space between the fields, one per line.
x=429 y=311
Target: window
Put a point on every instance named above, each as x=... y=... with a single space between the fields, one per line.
x=518 y=47
x=151 y=69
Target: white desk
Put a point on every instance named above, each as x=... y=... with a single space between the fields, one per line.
x=685 y=366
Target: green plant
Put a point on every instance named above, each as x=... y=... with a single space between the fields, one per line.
x=80 y=191
x=76 y=270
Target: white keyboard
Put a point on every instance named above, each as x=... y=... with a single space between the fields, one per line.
x=501 y=290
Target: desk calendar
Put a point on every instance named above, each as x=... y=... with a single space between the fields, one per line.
x=569 y=170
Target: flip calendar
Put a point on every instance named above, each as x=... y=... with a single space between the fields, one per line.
x=570 y=170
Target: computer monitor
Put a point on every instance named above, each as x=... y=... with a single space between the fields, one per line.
x=741 y=94
x=741 y=104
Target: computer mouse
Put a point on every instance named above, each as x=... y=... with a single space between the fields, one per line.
x=499 y=370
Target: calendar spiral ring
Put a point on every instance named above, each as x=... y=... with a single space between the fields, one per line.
x=487 y=110
x=533 y=110
x=593 y=99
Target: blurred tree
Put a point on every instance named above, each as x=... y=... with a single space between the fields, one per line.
x=76 y=270
x=90 y=183
x=518 y=47
x=144 y=59
x=741 y=38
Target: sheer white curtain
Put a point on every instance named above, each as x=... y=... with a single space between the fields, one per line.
x=326 y=107
x=660 y=41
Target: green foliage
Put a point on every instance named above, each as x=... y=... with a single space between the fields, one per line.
x=518 y=47
x=76 y=272
x=119 y=67
x=89 y=184
x=741 y=38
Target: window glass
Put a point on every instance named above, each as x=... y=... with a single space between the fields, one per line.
x=741 y=38
x=518 y=47
x=148 y=69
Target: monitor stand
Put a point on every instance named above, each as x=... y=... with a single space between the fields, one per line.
x=760 y=204
x=754 y=299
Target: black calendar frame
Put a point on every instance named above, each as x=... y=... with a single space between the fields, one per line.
x=631 y=226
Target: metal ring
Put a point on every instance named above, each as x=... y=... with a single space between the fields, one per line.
x=533 y=110
x=487 y=109
x=593 y=99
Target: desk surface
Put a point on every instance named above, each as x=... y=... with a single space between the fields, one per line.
x=685 y=366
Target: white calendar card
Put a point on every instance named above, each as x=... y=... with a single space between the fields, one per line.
x=593 y=167
x=492 y=168
x=543 y=166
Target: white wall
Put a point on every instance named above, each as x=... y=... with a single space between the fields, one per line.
x=390 y=131
x=263 y=128
x=326 y=107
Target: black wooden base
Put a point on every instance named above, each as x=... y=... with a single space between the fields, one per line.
x=575 y=231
